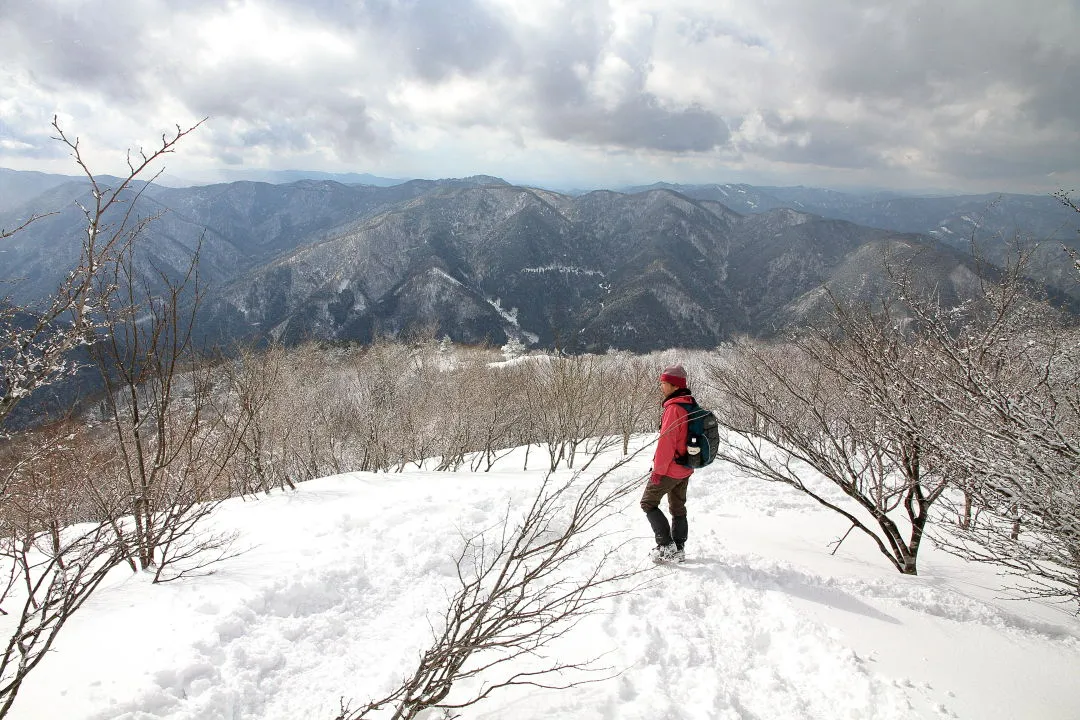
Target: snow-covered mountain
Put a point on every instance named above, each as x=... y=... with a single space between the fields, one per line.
x=486 y=263
x=482 y=260
x=1001 y=214
x=993 y=222
x=340 y=579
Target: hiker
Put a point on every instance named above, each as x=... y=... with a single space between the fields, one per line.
x=668 y=476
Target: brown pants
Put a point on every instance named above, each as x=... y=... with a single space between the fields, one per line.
x=676 y=495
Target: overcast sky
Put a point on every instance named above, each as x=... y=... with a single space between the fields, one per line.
x=960 y=95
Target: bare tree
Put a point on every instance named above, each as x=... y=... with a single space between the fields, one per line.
x=517 y=595
x=380 y=392
x=49 y=474
x=51 y=578
x=565 y=406
x=251 y=379
x=291 y=420
x=984 y=394
x=1067 y=200
x=433 y=380
x=175 y=452
x=314 y=421
x=1002 y=374
x=787 y=411
x=500 y=419
x=52 y=570
x=303 y=412
x=35 y=348
x=633 y=400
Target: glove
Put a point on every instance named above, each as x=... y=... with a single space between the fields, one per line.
x=654 y=478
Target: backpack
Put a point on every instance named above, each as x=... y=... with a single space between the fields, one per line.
x=702 y=437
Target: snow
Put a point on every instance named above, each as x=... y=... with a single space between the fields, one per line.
x=509 y=316
x=522 y=360
x=439 y=272
x=564 y=269
x=340 y=579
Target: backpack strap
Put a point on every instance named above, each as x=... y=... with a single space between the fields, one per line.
x=690 y=408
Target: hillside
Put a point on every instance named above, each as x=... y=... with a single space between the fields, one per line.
x=21 y=186
x=482 y=261
x=488 y=263
x=340 y=579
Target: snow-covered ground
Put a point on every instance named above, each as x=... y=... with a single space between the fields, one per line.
x=340 y=579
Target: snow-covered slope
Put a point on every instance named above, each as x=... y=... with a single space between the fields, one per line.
x=341 y=577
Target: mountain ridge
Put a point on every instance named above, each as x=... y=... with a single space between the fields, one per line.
x=482 y=260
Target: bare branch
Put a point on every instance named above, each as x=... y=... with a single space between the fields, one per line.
x=516 y=596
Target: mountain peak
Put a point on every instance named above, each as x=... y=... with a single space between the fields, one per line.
x=789 y=217
x=473 y=180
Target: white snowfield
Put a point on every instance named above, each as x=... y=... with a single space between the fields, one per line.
x=341 y=578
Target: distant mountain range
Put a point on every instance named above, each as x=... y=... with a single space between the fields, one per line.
x=1037 y=217
x=481 y=260
x=992 y=224
x=291 y=176
x=19 y=187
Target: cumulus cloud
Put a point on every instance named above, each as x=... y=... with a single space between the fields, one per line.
x=959 y=94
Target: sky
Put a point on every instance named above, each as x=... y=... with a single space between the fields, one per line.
x=964 y=96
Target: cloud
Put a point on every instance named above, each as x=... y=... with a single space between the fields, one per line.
x=441 y=39
x=638 y=123
x=814 y=142
x=280 y=110
x=586 y=80
x=956 y=93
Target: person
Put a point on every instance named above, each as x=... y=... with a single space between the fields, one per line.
x=668 y=476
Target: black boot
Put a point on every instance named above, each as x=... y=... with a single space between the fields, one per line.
x=661 y=530
x=679 y=530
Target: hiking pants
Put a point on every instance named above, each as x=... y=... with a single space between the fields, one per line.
x=675 y=490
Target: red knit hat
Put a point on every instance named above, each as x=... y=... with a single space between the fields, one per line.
x=675 y=375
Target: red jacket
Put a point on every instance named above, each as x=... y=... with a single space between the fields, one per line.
x=672 y=440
